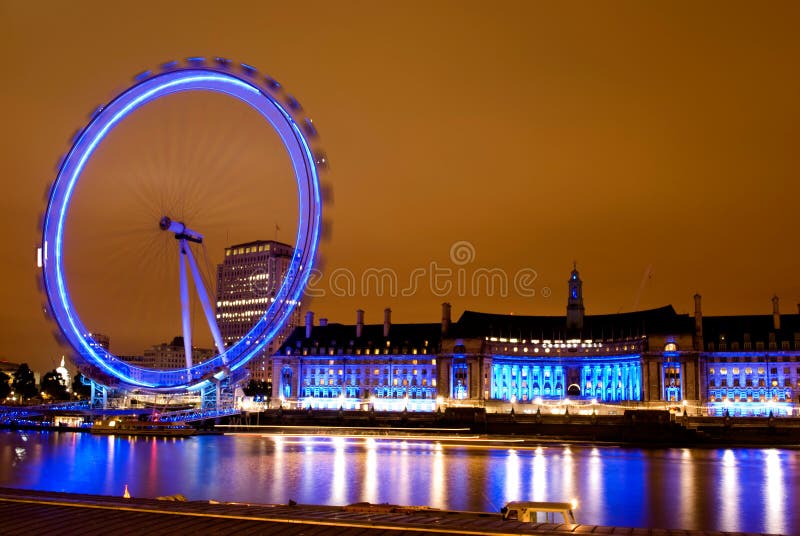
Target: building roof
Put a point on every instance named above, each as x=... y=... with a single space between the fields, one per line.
x=401 y=336
x=259 y=243
x=617 y=325
x=473 y=324
x=757 y=327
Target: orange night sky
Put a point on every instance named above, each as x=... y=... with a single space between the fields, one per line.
x=653 y=142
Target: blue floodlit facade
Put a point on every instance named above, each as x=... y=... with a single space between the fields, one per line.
x=606 y=378
x=753 y=384
x=739 y=365
x=391 y=368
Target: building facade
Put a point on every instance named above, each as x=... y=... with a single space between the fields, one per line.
x=750 y=363
x=247 y=282
x=171 y=356
x=381 y=366
x=742 y=365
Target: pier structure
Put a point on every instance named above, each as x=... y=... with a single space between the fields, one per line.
x=42 y=512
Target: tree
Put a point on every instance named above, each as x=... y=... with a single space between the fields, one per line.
x=53 y=385
x=24 y=383
x=78 y=387
x=5 y=386
x=257 y=388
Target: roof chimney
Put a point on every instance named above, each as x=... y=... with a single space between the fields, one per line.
x=387 y=321
x=323 y=322
x=359 y=322
x=698 y=321
x=309 y=323
x=445 y=318
x=776 y=314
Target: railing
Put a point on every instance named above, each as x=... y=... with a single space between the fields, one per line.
x=194 y=415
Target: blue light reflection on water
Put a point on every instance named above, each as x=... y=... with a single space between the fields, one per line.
x=716 y=489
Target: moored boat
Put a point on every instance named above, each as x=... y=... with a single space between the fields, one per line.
x=133 y=427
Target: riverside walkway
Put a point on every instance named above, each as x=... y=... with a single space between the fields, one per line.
x=39 y=512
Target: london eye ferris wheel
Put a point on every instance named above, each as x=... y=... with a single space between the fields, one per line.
x=298 y=137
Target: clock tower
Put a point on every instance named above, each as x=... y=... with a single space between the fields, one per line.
x=575 y=308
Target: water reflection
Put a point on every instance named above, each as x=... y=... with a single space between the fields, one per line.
x=371 y=472
x=339 y=491
x=539 y=481
x=734 y=489
x=511 y=479
x=567 y=477
x=277 y=483
x=774 y=504
x=402 y=478
x=729 y=485
x=686 y=490
x=438 y=483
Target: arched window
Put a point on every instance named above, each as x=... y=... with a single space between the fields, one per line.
x=286 y=382
x=670 y=347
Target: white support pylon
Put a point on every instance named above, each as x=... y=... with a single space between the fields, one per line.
x=185 y=313
x=209 y=312
x=185 y=235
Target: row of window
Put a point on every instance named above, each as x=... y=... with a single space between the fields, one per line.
x=361 y=362
x=734 y=346
x=365 y=372
x=375 y=381
x=722 y=395
x=600 y=385
x=506 y=394
x=378 y=392
x=787 y=382
x=524 y=372
x=754 y=359
x=749 y=370
x=358 y=351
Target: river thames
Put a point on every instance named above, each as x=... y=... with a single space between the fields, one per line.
x=752 y=490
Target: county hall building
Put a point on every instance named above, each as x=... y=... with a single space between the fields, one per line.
x=743 y=365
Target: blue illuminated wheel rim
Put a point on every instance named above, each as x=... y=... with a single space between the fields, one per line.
x=265 y=96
